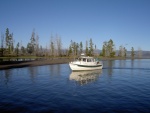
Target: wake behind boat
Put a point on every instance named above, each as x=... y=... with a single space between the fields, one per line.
x=85 y=63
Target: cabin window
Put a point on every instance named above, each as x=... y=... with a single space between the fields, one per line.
x=84 y=60
x=88 y=60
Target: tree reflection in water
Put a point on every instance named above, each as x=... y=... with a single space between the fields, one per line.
x=85 y=77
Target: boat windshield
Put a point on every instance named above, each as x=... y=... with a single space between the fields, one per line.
x=90 y=60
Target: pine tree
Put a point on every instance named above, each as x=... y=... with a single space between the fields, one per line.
x=132 y=52
x=9 y=41
x=108 y=49
x=111 y=48
x=81 y=47
x=17 y=49
x=91 y=47
x=86 y=48
x=30 y=48
x=2 y=46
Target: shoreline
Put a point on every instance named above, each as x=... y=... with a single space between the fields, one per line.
x=20 y=64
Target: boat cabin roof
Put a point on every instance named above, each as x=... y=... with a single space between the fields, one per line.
x=87 y=57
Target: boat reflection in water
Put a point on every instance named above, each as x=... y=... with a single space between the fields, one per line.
x=84 y=77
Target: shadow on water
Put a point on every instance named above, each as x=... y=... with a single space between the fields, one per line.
x=29 y=71
x=7 y=74
x=85 y=77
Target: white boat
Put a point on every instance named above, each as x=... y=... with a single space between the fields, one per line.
x=85 y=63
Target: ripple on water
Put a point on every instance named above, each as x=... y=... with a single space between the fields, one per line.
x=50 y=89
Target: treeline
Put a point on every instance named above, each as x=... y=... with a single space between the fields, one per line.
x=55 y=48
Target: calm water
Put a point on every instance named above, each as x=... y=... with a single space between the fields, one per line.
x=122 y=86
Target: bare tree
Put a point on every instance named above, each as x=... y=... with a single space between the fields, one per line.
x=37 y=45
x=122 y=51
x=52 y=47
x=105 y=49
x=70 y=49
x=59 y=45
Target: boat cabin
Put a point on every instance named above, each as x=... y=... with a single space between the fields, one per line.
x=86 y=59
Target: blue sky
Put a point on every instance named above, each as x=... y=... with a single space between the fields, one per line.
x=126 y=22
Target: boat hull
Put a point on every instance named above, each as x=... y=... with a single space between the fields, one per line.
x=78 y=67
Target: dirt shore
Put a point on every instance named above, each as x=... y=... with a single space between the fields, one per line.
x=19 y=64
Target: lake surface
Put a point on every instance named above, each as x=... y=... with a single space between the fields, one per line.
x=122 y=86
